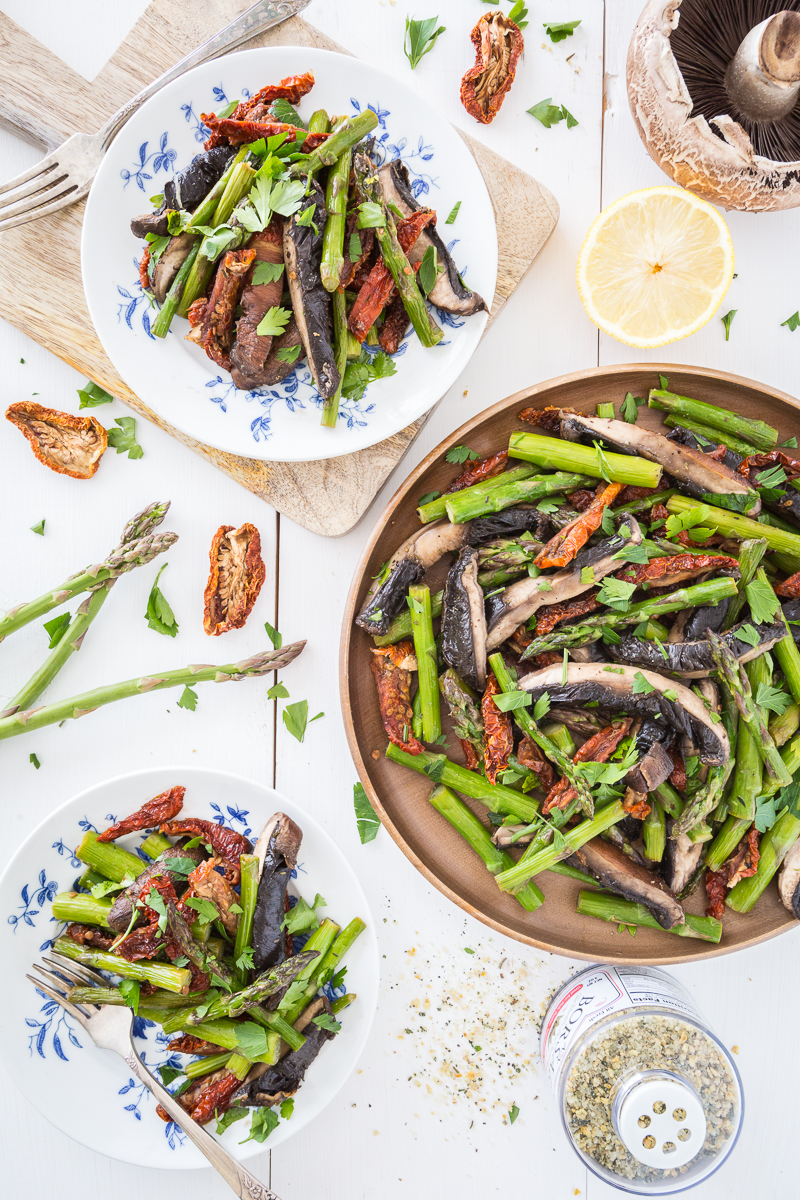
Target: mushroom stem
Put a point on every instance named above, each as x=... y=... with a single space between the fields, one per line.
x=763 y=79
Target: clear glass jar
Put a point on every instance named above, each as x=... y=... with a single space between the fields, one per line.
x=648 y=1096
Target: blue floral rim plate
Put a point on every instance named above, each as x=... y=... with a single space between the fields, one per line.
x=174 y=377
x=89 y=1094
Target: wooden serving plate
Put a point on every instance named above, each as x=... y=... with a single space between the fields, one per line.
x=400 y=795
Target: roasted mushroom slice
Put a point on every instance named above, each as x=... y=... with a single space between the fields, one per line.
x=508 y=523
x=407 y=566
x=277 y=849
x=67 y=445
x=267 y=1086
x=693 y=660
x=522 y=599
x=681 y=859
x=789 y=880
x=302 y=253
x=186 y=190
x=464 y=621
x=616 y=871
x=449 y=293
x=169 y=263
x=235 y=578
x=612 y=689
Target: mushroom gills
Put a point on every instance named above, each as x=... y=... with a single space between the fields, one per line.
x=700 y=476
x=611 y=867
x=449 y=293
x=681 y=859
x=302 y=253
x=789 y=880
x=693 y=659
x=406 y=567
x=277 y=850
x=464 y=620
x=520 y=600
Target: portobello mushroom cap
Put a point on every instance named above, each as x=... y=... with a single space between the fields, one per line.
x=652 y=769
x=520 y=600
x=615 y=870
x=464 y=620
x=302 y=253
x=269 y=1086
x=701 y=476
x=407 y=565
x=186 y=190
x=789 y=880
x=611 y=688
x=693 y=660
x=277 y=850
x=508 y=523
x=170 y=263
x=681 y=858
x=449 y=292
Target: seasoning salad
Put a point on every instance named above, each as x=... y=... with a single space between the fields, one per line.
x=283 y=240
x=614 y=648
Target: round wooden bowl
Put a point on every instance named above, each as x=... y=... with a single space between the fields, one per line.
x=400 y=796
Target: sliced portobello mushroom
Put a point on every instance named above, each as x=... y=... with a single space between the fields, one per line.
x=652 y=769
x=623 y=839
x=509 y=523
x=591 y=652
x=789 y=880
x=407 y=566
x=277 y=850
x=520 y=600
x=265 y=1086
x=693 y=660
x=700 y=620
x=302 y=253
x=121 y=911
x=464 y=620
x=170 y=263
x=449 y=293
x=701 y=476
x=186 y=190
x=681 y=858
x=611 y=688
x=611 y=867
x=787 y=505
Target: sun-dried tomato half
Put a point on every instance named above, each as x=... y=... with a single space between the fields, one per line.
x=598 y=748
x=478 y=470
x=659 y=512
x=544 y=418
x=635 y=804
x=67 y=445
x=393 y=681
x=471 y=761
x=744 y=861
x=154 y=812
x=499 y=736
x=677 y=566
x=215 y=1098
x=716 y=887
x=217 y=324
x=207 y=883
x=554 y=614
x=379 y=289
x=227 y=131
x=756 y=462
x=790 y=588
x=144 y=277
x=227 y=845
x=529 y=755
x=498 y=44
x=236 y=574
x=631 y=492
x=292 y=88
x=562 y=548
x=582 y=499
x=678 y=776
x=395 y=324
x=189 y=1044
x=89 y=935
x=366 y=240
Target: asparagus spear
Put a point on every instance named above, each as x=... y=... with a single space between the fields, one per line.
x=788 y=657
x=474 y=833
x=400 y=627
x=647 y=502
x=325 y=969
x=434 y=510
x=731 y=524
x=419 y=601
x=202 y=957
x=718 y=437
x=504 y=560
x=154 y=845
x=76 y=906
x=352 y=131
x=606 y=410
x=467 y=504
x=774 y=846
x=79 y=706
x=112 y=861
x=703 y=801
x=163 y=975
x=173 y=301
x=402 y=273
x=608 y=907
x=208 y=1064
x=737 y=679
x=784 y=725
x=726 y=841
x=791 y=760
x=204 y=213
x=464 y=710
x=330 y=407
x=751 y=552
x=568 y=843
x=267 y=984
x=757 y=433
x=247 y=902
x=572 y=456
x=336 y=204
x=241 y=180
x=669 y=800
x=495 y=796
x=654 y=832
x=591 y=628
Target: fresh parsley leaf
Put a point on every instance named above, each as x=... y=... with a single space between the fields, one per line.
x=420 y=38
x=727 y=321
x=289 y=354
x=568 y=117
x=772 y=478
x=129 y=990
x=792 y=322
x=542 y=707
x=287 y=1108
x=355 y=249
x=33 y=759
x=548 y=113
x=39 y=528
x=359 y=374
x=267 y=272
x=286 y=196
x=550 y=504
x=602 y=463
x=630 y=407
x=366 y=817
x=278 y=691
x=558 y=31
x=155 y=900
x=641 y=686
x=789 y=797
x=435 y=768
x=610 y=636
x=773 y=699
x=206 y=908
x=544 y=586
x=748 y=634
x=691 y=520
x=511 y=701
x=274 y=322
x=428 y=274
x=663 y=383
x=177 y=220
x=219 y=238
x=227 y=110
x=227 y=1118
x=159 y=615
x=764 y=604
x=607 y=523
x=92 y=395
x=451 y=220
x=188 y=699
x=326 y=1021
x=634 y=554
x=766 y=814
x=370 y=215
x=107 y=886
x=262 y=1123
x=245 y=960
x=273 y=635
x=468 y=951
x=616 y=594
x=513 y=1113
x=169 y=1074
x=157 y=245
x=790 y=442
x=459 y=454
x=251 y=1039
x=123 y=439
x=56 y=628
x=295 y=718
x=615 y=670
x=306 y=217
x=518 y=13
x=302 y=917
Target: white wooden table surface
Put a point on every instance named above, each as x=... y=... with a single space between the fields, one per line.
x=399 y=1127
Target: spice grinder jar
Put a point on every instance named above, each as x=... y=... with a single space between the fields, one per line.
x=649 y=1097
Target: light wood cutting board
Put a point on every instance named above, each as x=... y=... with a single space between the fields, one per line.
x=46 y=101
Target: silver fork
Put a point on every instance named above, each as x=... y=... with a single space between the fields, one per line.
x=66 y=175
x=110 y=1027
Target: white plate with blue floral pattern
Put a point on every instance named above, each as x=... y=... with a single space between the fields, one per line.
x=88 y=1093
x=174 y=377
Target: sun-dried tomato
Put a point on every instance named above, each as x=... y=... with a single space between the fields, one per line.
x=666 y=570
x=478 y=470
x=582 y=499
x=598 y=748
x=631 y=493
x=189 y=1044
x=756 y=462
x=716 y=888
x=212 y=1092
x=380 y=286
x=197 y=310
x=529 y=755
x=499 y=736
x=635 y=804
x=227 y=845
x=659 y=512
x=685 y=540
x=393 y=681
x=544 y=418
x=718 y=455
x=67 y=445
x=498 y=44
x=90 y=935
x=678 y=776
x=366 y=240
x=553 y=614
x=548 y=658
x=144 y=278
x=395 y=324
x=217 y=325
x=562 y=548
x=744 y=861
x=154 y=812
x=470 y=757
x=207 y=883
x=790 y=588
x=235 y=577
x=228 y=131
x=521 y=637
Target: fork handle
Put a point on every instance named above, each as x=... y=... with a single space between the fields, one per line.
x=258 y=17
x=240 y=1180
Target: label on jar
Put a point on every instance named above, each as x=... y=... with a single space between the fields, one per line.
x=595 y=994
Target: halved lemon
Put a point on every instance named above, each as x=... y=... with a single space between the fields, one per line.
x=655 y=266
